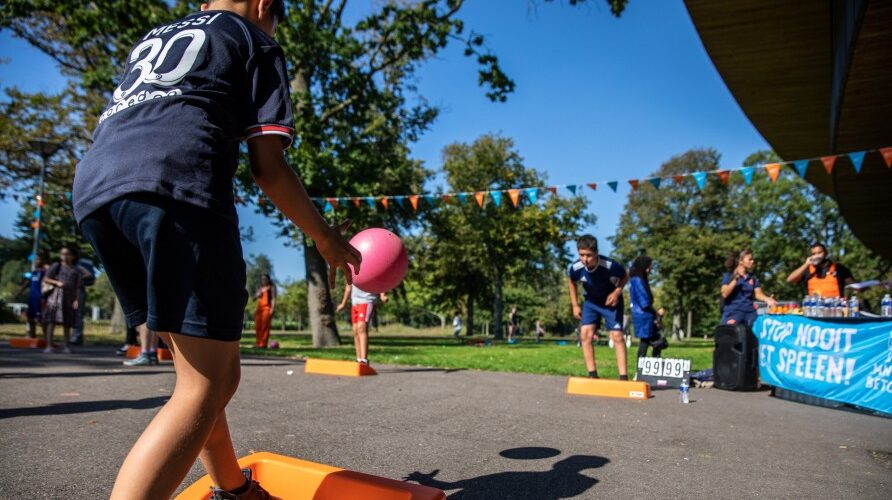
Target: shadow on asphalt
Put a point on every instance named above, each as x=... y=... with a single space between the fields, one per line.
x=84 y=407
x=415 y=370
x=115 y=373
x=564 y=480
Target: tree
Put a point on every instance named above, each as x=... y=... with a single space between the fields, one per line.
x=352 y=87
x=292 y=302
x=690 y=232
x=471 y=252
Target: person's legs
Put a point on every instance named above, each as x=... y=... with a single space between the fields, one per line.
x=66 y=338
x=48 y=330
x=361 y=338
x=642 y=347
x=586 y=334
x=619 y=345
x=207 y=376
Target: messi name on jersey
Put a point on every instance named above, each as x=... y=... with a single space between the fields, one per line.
x=149 y=57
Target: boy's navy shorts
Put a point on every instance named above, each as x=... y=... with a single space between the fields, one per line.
x=593 y=313
x=175 y=266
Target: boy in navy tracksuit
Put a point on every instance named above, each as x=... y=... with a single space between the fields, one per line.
x=154 y=197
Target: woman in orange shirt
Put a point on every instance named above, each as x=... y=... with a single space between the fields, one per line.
x=266 y=306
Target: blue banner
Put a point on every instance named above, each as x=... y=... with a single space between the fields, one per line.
x=837 y=360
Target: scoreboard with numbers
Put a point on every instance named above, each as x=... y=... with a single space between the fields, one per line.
x=663 y=372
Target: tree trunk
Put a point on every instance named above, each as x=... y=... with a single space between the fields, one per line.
x=497 y=306
x=469 y=324
x=322 y=318
x=117 y=325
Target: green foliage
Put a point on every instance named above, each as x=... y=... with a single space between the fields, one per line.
x=101 y=294
x=291 y=303
x=471 y=253
x=690 y=233
x=12 y=277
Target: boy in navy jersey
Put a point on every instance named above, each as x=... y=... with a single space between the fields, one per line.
x=154 y=197
x=602 y=281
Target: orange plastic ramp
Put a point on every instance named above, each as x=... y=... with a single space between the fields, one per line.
x=27 y=343
x=608 y=388
x=289 y=478
x=163 y=354
x=335 y=367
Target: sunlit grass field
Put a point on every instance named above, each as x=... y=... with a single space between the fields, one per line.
x=398 y=345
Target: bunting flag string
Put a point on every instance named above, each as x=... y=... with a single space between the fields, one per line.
x=520 y=196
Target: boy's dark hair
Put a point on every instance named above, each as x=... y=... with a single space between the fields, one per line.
x=587 y=242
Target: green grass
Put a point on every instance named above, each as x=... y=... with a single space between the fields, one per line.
x=430 y=348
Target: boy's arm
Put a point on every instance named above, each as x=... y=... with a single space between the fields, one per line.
x=574 y=302
x=287 y=192
x=614 y=296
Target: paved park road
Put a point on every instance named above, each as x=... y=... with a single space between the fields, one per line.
x=66 y=423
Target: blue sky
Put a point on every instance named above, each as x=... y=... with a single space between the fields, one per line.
x=598 y=98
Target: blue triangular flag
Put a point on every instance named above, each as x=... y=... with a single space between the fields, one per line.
x=371 y=201
x=700 y=177
x=747 y=173
x=462 y=197
x=801 y=167
x=31 y=257
x=857 y=160
x=496 y=197
x=572 y=188
x=37 y=213
x=328 y=207
x=429 y=198
x=655 y=181
x=613 y=185
x=532 y=194
x=400 y=200
x=68 y=195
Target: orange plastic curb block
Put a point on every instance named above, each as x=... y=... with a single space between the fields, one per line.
x=341 y=368
x=608 y=388
x=26 y=343
x=293 y=479
x=163 y=354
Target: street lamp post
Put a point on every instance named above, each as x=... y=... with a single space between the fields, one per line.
x=46 y=149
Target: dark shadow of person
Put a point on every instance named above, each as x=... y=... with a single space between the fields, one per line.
x=564 y=480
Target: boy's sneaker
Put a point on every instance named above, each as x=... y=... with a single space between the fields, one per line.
x=144 y=359
x=254 y=491
x=121 y=351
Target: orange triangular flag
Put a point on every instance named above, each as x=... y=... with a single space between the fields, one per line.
x=356 y=201
x=414 y=201
x=773 y=170
x=446 y=197
x=334 y=202
x=887 y=155
x=514 y=194
x=385 y=202
x=678 y=178
x=593 y=185
x=634 y=183
x=553 y=190
x=35 y=224
x=480 y=196
x=724 y=176
x=828 y=162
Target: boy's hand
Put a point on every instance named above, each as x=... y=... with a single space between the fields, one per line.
x=577 y=312
x=338 y=252
x=613 y=298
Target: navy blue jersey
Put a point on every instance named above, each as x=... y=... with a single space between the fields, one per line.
x=600 y=282
x=191 y=92
x=744 y=294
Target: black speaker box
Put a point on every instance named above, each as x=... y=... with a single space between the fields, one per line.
x=735 y=361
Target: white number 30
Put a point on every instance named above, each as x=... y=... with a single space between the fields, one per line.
x=146 y=67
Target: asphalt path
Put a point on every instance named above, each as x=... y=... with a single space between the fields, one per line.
x=67 y=421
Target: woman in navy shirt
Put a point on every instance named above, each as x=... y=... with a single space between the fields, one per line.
x=740 y=290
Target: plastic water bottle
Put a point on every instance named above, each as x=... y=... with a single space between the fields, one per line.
x=805 y=305
x=841 y=307
x=819 y=306
x=685 y=388
x=854 y=307
x=886 y=306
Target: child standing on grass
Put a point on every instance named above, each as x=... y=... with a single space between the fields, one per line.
x=154 y=197
x=362 y=312
x=602 y=281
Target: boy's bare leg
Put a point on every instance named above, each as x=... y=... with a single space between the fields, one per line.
x=207 y=376
x=148 y=339
x=619 y=344
x=361 y=339
x=586 y=334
